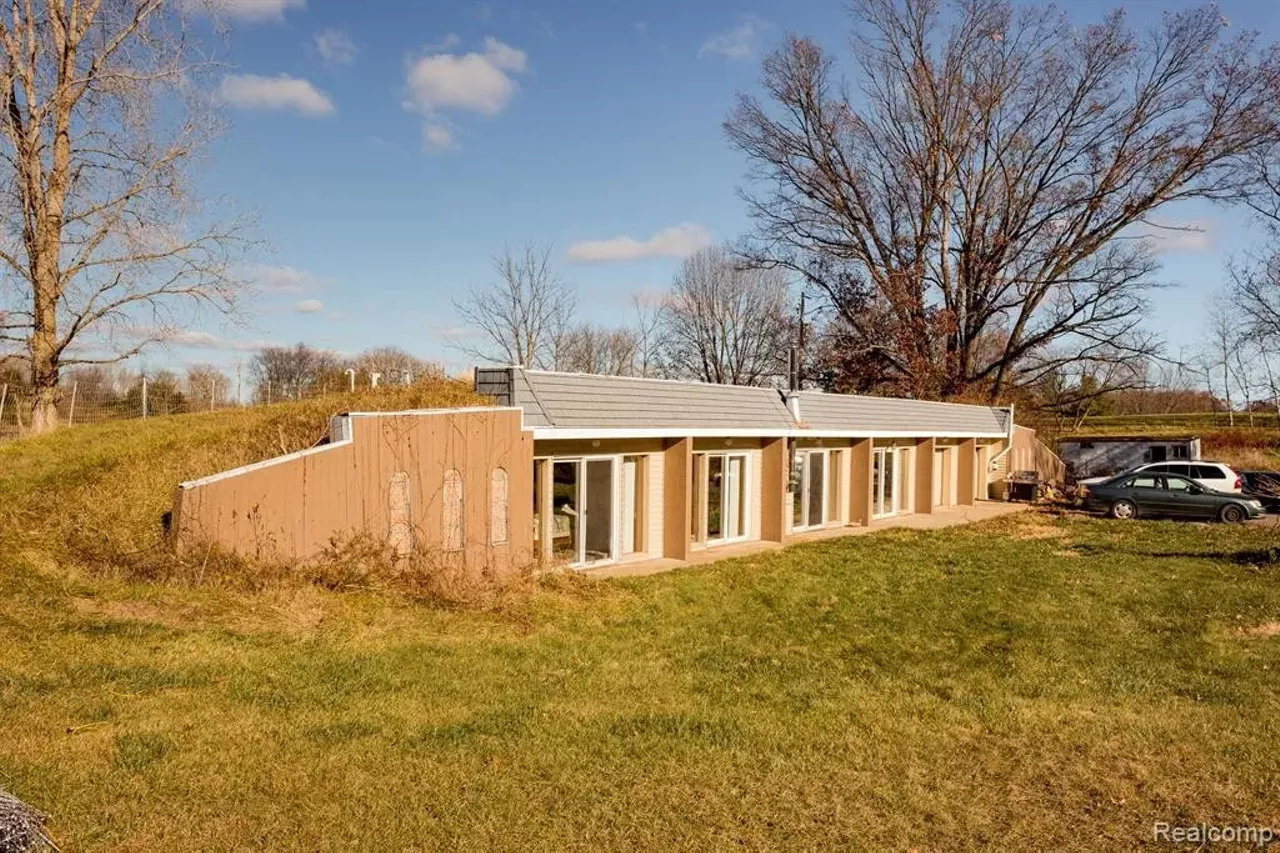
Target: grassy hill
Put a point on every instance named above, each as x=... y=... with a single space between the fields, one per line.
x=94 y=497
x=1029 y=682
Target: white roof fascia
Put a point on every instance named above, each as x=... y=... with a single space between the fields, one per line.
x=583 y=433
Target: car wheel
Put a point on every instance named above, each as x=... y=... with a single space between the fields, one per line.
x=1232 y=514
x=1124 y=510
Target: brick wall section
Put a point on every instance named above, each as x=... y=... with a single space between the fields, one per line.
x=292 y=507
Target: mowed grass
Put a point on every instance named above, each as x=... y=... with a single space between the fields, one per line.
x=1028 y=682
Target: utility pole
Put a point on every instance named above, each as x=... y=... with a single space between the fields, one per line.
x=239 y=398
x=800 y=347
x=144 y=396
x=213 y=392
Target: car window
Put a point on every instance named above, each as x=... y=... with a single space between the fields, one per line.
x=1156 y=469
x=1208 y=472
x=1177 y=484
x=1180 y=470
x=1145 y=482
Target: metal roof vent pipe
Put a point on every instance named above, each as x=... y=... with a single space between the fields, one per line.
x=793 y=383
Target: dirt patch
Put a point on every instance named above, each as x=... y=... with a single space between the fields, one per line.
x=1266 y=629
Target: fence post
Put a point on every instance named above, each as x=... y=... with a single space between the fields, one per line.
x=71 y=411
x=4 y=395
x=144 y=397
x=213 y=392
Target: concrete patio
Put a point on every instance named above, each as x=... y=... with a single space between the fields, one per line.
x=940 y=518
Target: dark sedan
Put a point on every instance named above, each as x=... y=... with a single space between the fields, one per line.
x=1263 y=485
x=1137 y=494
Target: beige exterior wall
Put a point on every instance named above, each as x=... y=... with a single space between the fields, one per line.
x=290 y=508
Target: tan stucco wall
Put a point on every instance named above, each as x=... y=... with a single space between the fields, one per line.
x=292 y=508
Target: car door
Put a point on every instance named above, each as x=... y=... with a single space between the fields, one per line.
x=1184 y=497
x=1148 y=493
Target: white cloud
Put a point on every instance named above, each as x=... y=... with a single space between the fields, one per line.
x=679 y=241
x=738 y=42
x=280 y=279
x=250 y=11
x=309 y=306
x=336 y=46
x=438 y=136
x=475 y=82
x=251 y=92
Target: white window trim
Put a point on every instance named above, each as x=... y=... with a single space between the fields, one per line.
x=747 y=487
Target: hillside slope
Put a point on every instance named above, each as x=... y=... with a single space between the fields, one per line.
x=96 y=497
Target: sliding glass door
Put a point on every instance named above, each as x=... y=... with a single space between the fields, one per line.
x=885 y=497
x=582 y=517
x=722 y=477
x=814 y=498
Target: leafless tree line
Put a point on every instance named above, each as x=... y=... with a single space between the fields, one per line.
x=970 y=205
x=722 y=321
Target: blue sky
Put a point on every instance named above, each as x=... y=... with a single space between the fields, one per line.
x=389 y=148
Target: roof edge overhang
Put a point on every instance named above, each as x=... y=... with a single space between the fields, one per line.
x=588 y=433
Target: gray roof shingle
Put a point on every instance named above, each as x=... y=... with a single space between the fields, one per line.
x=821 y=411
x=584 y=401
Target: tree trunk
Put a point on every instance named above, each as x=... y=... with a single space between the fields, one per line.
x=44 y=367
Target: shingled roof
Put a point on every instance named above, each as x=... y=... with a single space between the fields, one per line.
x=576 y=401
x=583 y=401
x=821 y=411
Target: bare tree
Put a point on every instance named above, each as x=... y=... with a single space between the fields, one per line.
x=395 y=365
x=970 y=210
x=1222 y=337
x=207 y=386
x=522 y=314
x=295 y=372
x=726 y=322
x=650 y=313
x=595 y=349
x=104 y=112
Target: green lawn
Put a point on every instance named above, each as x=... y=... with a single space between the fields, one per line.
x=1029 y=682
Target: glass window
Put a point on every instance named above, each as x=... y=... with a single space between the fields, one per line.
x=564 y=511
x=1158 y=469
x=1177 y=484
x=817 y=486
x=1180 y=470
x=715 y=497
x=833 y=487
x=1207 y=472
x=633 y=503
x=797 y=489
x=538 y=486
x=1144 y=483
